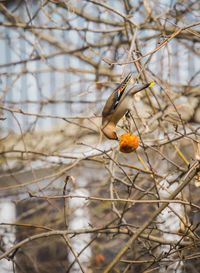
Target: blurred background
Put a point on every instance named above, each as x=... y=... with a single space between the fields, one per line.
x=59 y=62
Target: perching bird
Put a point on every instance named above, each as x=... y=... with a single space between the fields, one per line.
x=119 y=102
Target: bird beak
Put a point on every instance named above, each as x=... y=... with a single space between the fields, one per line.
x=137 y=88
x=109 y=131
x=116 y=137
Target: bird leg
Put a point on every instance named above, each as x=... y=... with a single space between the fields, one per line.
x=127 y=115
x=126 y=119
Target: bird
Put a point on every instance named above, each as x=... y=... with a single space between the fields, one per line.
x=117 y=105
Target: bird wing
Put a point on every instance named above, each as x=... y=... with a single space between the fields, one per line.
x=121 y=88
x=115 y=97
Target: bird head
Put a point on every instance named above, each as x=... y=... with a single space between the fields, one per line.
x=109 y=131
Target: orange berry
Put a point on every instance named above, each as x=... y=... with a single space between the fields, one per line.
x=128 y=143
